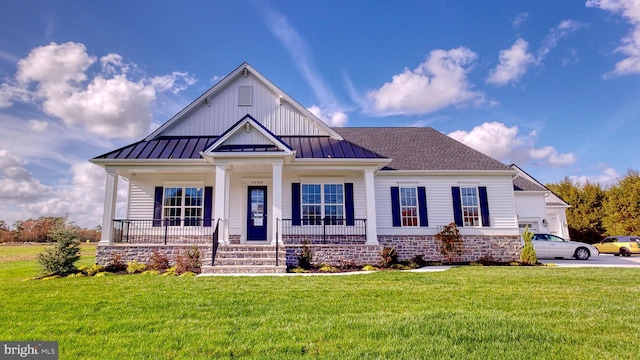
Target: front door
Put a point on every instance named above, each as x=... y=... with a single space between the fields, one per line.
x=257 y=213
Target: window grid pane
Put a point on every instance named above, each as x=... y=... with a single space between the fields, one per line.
x=470 y=208
x=183 y=206
x=409 y=206
x=322 y=201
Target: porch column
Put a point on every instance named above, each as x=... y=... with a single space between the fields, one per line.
x=110 y=199
x=369 y=186
x=276 y=208
x=219 y=201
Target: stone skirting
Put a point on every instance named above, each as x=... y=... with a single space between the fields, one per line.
x=142 y=253
x=500 y=248
x=336 y=255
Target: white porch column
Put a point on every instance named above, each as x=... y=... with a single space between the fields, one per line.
x=276 y=207
x=110 y=199
x=219 y=201
x=369 y=186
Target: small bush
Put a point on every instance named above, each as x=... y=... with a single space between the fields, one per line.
x=77 y=275
x=170 y=272
x=103 y=274
x=91 y=270
x=61 y=258
x=158 y=261
x=134 y=267
x=151 y=272
x=528 y=255
x=306 y=257
x=419 y=260
x=189 y=261
x=401 y=267
x=187 y=274
x=369 y=268
x=327 y=269
x=388 y=257
x=514 y=263
x=298 y=270
x=116 y=264
x=348 y=265
x=450 y=241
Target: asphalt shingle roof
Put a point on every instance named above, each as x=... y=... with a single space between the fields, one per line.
x=420 y=148
x=522 y=184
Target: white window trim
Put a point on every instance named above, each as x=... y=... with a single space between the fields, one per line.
x=478 y=206
x=182 y=207
x=417 y=207
x=322 y=203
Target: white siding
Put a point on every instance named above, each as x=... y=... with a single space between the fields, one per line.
x=530 y=206
x=223 y=111
x=244 y=138
x=440 y=202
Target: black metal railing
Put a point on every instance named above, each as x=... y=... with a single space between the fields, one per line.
x=162 y=231
x=324 y=231
x=278 y=225
x=214 y=245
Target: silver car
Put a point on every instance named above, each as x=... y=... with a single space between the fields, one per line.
x=549 y=246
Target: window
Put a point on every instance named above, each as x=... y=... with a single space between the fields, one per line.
x=183 y=206
x=409 y=206
x=322 y=201
x=470 y=206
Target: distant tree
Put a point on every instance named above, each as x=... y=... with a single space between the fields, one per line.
x=622 y=206
x=585 y=215
x=38 y=230
x=5 y=232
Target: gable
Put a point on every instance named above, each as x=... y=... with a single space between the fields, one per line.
x=242 y=92
x=247 y=135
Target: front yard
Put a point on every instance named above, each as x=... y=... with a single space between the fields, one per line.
x=466 y=312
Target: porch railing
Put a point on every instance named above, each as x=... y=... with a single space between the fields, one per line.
x=324 y=231
x=162 y=231
x=214 y=245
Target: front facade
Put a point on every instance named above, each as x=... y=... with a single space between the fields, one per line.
x=249 y=166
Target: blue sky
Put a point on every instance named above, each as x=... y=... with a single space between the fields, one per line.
x=550 y=85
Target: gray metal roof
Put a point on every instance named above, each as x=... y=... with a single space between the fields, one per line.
x=181 y=147
x=420 y=148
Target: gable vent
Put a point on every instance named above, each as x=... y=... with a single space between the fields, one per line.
x=244 y=95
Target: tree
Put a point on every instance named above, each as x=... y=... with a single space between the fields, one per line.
x=5 y=232
x=528 y=255
x=61 y=258
x=622 y=206
x=450 y=241
x=586 y=212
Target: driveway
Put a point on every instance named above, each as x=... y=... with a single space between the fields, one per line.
x=604 y=260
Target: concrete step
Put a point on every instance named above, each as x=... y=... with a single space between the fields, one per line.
x=246 y=269
x=246 y=261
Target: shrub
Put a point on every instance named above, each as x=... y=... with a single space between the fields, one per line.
x=91 y=270
x=189 y=261
x=388 y=257
x=134 y=267
x=187 y=274
x=158 y=261
x=401 y=267
x=298 y=270
x=327 y=269
x=61 y=258
x=116 y=264
x=450 y=241
x=103 y=273
x=528 y=255
x=306 y=257
x=170 y=272
x=151 y=272
x=419 y=260
x=369 y=268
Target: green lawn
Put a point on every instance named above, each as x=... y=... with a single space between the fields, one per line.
x=463 y=313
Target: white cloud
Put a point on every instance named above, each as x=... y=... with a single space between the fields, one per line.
x=513 y=64
x=519 y=19
x=608 y=176
x=505 y=144
x=630 y=10
x=564 y=29
x=17 y=184
x=37 y=125
x=438 y=82
x=330 y=117
x=108 y=104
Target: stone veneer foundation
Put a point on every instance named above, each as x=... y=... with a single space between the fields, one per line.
x=499 y=248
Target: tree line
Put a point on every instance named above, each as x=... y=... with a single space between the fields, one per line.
x=598 y=211
x=40 y=230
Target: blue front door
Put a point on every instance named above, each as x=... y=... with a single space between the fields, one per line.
x=257 y=213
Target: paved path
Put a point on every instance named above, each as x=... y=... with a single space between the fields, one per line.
x=604 y=260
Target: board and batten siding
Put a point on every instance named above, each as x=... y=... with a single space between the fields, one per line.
x=440 y=203
x=223 y=112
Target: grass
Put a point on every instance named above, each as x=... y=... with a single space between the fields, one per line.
x=463 y=313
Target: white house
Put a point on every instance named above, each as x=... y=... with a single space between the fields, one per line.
x=246 y=172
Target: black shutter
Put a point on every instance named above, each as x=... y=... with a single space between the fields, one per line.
x=457 y=205
x=422 y=206
x=395 y=206
x=157 y=206
x=484 y=206
x=295 y=204
x=208 y=197
x=348 y=204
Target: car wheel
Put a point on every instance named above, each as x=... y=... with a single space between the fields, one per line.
x=625 y=252
x=616 y=254
x=582 y=253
